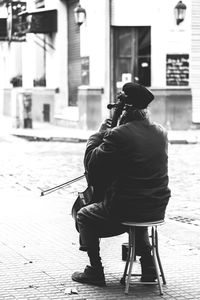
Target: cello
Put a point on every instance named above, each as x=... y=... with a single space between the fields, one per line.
x=86 y=197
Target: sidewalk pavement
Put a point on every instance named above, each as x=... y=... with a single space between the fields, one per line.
x=48 y=132
x=39 y=249
x=39 y=252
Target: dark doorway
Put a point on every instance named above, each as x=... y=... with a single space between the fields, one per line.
x=132 y=55
x=46 y=112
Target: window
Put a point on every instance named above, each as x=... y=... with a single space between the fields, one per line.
x=177 y=69
x=144 y=56
x=132 y=55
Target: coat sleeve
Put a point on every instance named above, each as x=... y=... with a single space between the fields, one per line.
x=102 y=157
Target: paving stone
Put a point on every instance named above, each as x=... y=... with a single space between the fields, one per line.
x=39 y=244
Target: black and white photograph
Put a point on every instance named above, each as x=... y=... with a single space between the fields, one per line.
x=99 y=149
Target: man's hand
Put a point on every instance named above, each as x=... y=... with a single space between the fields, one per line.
x=105 y=125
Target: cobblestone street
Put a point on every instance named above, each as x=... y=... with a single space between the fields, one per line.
x=33 y=166
x=38 y=241
x=184 y=173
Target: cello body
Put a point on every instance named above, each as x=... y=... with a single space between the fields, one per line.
x=86 y=197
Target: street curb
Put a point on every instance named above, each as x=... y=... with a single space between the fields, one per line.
x=181 y=142
x=33 y=138
x=51 y=139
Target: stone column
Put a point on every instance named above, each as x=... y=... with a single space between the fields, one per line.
x=90 y=107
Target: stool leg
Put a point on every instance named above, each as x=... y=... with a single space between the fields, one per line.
x=155 y=259
x=132 y=257
x=123 y=279
x=158 y=257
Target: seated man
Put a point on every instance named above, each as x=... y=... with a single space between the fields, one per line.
x=128 y=168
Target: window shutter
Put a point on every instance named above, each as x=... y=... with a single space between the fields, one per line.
x=74 y=61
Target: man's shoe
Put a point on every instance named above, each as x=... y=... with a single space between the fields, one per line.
x=90 y=276
x=83 y=248
x=148 y=269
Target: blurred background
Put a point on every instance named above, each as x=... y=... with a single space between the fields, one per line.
x=63 y=61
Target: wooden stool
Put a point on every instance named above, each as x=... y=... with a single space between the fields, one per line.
x=131 y=254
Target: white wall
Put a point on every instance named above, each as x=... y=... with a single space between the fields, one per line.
x=93 y=39
x=56 y=55
x=57 y=72
x=95 y=43
x=131 y=12
x=166 y=36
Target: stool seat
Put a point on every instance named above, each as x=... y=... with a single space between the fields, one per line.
x=131 y=257
x=144 y=224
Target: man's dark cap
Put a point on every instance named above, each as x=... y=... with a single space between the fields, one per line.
x=137 y=95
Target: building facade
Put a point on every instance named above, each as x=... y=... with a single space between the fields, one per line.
x=72 y=71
